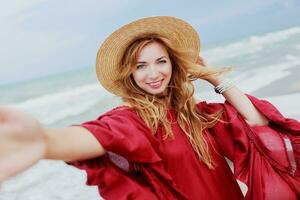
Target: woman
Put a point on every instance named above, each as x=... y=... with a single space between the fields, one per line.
x=161 y=144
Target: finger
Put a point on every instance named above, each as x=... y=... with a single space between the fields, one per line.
x=12 y=116
x=13 y=163
x=201 y=61
x=7 y=112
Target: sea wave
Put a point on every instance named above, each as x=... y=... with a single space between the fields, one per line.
x=254 y=79
x=251 y=45
x=50 y=108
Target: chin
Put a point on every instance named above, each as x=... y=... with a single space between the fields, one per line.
x=154 y=93
x=160 y=92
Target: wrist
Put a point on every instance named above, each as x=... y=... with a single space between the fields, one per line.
x=223 y=86
x=216 y=80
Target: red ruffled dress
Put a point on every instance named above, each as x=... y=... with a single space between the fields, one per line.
x=139 y=165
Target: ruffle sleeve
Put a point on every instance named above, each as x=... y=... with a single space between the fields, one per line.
x=266 y=158
x=122 y=132
x=123 y=135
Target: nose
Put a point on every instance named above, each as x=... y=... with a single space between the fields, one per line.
x=153 y=73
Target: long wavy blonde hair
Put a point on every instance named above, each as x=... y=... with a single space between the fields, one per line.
x=179 y=95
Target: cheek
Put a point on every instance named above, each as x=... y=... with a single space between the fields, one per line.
x=138 y=77
x=168 y=71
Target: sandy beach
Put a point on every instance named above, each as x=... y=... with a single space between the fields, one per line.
x=284 y=93
x=269 y=77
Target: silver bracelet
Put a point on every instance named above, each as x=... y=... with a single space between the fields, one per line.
x=226 y=84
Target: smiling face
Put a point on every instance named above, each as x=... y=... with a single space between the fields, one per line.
x=153 y=69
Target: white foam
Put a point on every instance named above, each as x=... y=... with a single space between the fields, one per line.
x=260 y=77
x=71 y=102
x=250 y=45
x=274 y=37
x=255 y=79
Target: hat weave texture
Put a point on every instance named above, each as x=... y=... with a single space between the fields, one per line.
x=110 y=53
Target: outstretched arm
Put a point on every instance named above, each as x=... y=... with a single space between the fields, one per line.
x=23 y=142
x=71 y=144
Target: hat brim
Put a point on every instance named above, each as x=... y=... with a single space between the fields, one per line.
x=179 y=32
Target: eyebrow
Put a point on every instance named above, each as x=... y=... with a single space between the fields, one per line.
x=142 y=62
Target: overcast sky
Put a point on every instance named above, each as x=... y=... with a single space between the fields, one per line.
x=40 y=37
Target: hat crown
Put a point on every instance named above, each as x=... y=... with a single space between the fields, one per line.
x=113 y=48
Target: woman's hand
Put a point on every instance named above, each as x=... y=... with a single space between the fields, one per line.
x=22 y=142
x=214 y=79
x=201 y=61
x=237 y=99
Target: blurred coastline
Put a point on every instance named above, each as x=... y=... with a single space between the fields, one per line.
x=268 y=66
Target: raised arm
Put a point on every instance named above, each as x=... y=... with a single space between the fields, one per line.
x=238 y=100
x=23 y=142
x=241 y=103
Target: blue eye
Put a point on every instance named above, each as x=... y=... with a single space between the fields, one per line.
x=140 y=66
x=162 y=61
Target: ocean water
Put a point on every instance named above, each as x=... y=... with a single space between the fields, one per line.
x=75 y=97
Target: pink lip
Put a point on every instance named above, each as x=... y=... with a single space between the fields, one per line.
x=155 y=84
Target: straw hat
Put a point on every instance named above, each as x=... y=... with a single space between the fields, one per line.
x=182 y=34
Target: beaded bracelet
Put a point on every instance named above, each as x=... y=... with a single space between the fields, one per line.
x=226 y=84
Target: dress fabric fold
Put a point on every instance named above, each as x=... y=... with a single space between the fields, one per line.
x=140 y=165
